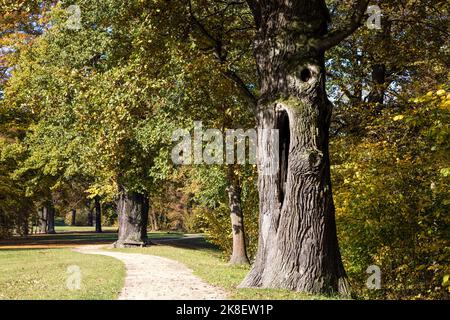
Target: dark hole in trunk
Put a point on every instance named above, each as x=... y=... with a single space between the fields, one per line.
x=284 y=140
x=305 y=75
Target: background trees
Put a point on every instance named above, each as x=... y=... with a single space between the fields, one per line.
x=377 y=145
x=89 y=113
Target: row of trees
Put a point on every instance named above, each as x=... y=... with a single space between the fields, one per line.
x=89 y=106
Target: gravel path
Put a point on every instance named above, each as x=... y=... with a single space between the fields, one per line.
x=152 y=278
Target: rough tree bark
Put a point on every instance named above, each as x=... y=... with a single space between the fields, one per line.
x=239 y=254
x=298 y=247
x=73 y=219
x=98 y=214
x=132 y=210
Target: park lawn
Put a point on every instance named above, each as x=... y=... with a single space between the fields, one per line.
x=209 y=265
x=43 y=273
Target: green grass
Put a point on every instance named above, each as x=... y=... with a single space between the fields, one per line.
x=42 y=274
x=209 y=265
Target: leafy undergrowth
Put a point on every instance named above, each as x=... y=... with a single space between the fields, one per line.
x=209 y=265
x=43 y=274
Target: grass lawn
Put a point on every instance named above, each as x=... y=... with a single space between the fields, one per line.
x=42 y=274
x=209 y=265
x=32 y=268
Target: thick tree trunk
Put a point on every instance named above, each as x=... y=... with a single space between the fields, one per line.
x=132 y=210
x=73 y=220
x=239 y=254
x=98 y=215
x=298 y=246
x=50 y=218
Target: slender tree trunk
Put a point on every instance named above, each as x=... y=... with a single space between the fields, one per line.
x=376 y=94
x=23 y=222
x=42 y=220
x=132 y=210
x=298 y=247
x=73 y=217
x=154 y=221
x=25 y=227
x=90 y=218
x=239 y=254
x=35 y=223
x=50 y=218
x=98 y=215
x=378 y=68
x=145 y=210
x=90 y=215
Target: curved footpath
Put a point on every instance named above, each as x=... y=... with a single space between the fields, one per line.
x=151 y=278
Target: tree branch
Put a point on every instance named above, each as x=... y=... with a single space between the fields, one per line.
x=255 y=8
x=334 y=38
x=222 y=57
x=251 y=99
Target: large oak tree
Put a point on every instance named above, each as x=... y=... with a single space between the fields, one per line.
x=298 y=247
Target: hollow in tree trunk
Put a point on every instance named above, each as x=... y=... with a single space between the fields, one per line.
x=239 y=254
x=98 y=214
x=132 y=211
x=298 y=247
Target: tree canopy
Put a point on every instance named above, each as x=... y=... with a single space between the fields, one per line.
x=87 y=111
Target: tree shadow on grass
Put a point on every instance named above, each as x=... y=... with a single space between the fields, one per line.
x=61 y=239
x=197 y=242
x=77 y=238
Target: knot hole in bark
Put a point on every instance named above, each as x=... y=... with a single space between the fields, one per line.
x=283 y=156
x=305 y=75
x=236 y=229
x=315 y=159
